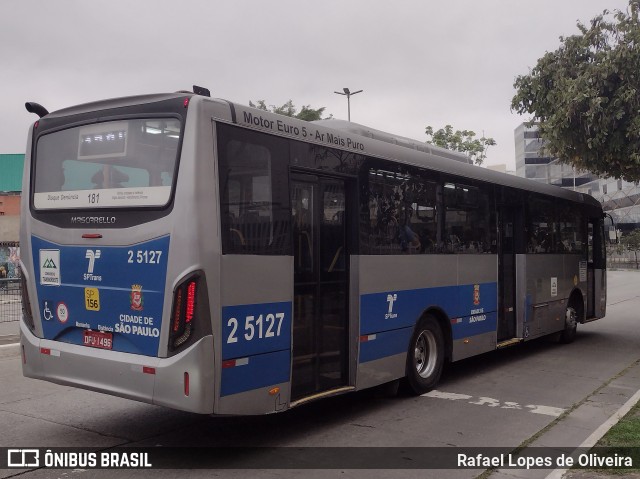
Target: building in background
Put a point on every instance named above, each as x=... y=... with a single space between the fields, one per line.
x=534 y=163
x=11 y=167
x=619 y=198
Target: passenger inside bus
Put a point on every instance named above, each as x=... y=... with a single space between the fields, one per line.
x=109 y=177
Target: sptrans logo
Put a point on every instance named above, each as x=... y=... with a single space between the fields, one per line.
x=50 y=267
x=92 y=256
x=391 y=298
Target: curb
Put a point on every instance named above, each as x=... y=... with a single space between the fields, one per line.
x=585 y=424
x=596 y=435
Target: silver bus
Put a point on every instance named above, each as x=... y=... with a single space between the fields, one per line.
x=206 y=256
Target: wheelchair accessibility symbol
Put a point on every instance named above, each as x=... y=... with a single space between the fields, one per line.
x=46 y=311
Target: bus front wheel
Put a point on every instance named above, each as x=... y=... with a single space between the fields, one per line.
x=569 y=332
x=425 y=358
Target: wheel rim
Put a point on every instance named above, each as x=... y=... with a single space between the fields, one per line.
x=571 y=318
x=425 y=354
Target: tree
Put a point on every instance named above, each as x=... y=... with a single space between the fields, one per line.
x=632 y=242
x=585 y=96
x=463 y=141
x=288 y=109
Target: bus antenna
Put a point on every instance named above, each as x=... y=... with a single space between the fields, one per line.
x=37 y=108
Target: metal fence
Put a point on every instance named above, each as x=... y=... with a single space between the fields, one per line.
x=10 y=300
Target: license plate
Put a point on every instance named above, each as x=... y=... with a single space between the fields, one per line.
x=98 y=339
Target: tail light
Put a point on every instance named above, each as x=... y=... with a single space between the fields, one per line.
x=183 y=312
x=190 y=318
x=27 y=314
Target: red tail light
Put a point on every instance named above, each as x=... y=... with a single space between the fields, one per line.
x=184 y=312
x=191 y=300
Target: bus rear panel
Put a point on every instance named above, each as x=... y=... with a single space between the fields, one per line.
x=116 y=295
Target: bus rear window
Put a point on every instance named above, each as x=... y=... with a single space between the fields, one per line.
x=115 y=164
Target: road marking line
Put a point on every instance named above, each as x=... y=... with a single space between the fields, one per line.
x=443 y=395
x=491 y=402
x=546 y=410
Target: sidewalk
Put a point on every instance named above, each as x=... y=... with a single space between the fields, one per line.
x=9 y=328
x=9 y=332
x=585 y=424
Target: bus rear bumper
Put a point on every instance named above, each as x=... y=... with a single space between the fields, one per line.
x=184 y=381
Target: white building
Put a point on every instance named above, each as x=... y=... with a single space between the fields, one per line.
x=619 y=198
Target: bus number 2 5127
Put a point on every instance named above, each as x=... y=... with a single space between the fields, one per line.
x=260 y=327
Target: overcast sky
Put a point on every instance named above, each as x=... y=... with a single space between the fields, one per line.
x=419 y=62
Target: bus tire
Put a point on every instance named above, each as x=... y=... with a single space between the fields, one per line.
x=568 y=334
x=425 y=358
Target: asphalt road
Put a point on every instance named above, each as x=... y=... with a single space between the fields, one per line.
x=541 y=393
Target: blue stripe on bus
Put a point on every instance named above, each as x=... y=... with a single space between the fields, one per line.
x=472 y=309
x=259 y=371
x=127 y=284
x=385 y=344
x=474 y=325
x=397 y=309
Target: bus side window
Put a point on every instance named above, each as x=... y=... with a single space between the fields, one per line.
x=401 y=207
x=541 y=226
x=570 y=233
x=254 y=194
x=468 y=224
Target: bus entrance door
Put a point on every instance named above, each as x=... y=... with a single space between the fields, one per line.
x=592 y=237
x=320 y=315
x=506 y=274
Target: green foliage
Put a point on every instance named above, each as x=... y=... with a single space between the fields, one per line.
x=585 y=96
x=622 y=439
x=632 y=240
x=463 y=141
x=289 y=109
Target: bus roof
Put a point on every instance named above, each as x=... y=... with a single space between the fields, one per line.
x=345 y=136
x=368 y=141
x=368 y=132
x=116 y=103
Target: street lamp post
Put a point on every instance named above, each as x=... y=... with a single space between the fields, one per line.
x=348 y=94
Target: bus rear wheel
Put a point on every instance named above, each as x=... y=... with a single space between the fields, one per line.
x=425 y=358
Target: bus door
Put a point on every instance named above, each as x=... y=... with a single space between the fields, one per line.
x=320 y=315
x=507 y=217
x=592 y=228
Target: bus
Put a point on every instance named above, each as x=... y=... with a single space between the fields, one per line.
x=202 y=255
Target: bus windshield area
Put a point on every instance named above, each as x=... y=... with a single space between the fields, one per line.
x=114 y=164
